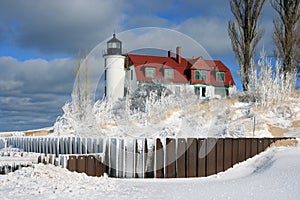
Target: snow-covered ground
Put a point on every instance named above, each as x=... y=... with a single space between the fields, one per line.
x=183 y=117
x=273 y=174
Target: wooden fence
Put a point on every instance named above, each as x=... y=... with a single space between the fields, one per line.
x=169 y=158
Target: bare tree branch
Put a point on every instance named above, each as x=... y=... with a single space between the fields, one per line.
x=286 y=34
x=244 y=32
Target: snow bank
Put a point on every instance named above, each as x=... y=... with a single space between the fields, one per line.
x=273 y=174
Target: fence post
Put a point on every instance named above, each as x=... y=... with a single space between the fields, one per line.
x=113 y=157
x=170 y=158
x=227 y=153
x=220 y=155
x=181 y=158
x=253 y=147
x=150 y=144
x=100 y=167
x=95 y=145
x=72 y=163
x=211 y=157
x=100 y=145
x=74 y=145
x=129 y=157
x=192 y=157
x=260 y=145
x=235 y=151
x=91 y=165
x=139 y=158
x=242 y=149
x=120 y=160
x=80 y=167
x=266 y=143
x=159 y=159
x=201 y=149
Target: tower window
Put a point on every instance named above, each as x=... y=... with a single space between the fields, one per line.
x=113 y=45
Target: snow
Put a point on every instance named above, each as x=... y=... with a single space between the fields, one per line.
x=273 y=174
x=186 y=116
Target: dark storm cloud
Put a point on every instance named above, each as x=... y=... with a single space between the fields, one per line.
x=59 y=26
x=53 y=27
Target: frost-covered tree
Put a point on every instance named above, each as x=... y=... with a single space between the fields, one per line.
x=78 y=117
x=267 y=84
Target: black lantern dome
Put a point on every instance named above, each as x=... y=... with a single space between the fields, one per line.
x=114 y=46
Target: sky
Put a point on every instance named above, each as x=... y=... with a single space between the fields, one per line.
x=40 y=41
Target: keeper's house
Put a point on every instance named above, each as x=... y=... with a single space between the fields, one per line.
x=205 y=78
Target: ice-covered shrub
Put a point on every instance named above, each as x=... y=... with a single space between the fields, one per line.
x=269 y=84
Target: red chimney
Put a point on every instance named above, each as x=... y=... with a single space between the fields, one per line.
x=170 y=54
x=178 y=54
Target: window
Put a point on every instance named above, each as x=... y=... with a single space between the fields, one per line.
x=113 y=45
x=197 y=75
x=220 y=76
x=131 y=74
x=169 y=73
x=150 y=72
x=197 y=90
x=200 y=75
x=203 y=75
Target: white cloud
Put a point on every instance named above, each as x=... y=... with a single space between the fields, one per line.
x=211 y=33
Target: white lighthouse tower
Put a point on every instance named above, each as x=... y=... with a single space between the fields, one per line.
x=114 y=70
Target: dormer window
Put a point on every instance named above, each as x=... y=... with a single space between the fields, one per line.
x=220 y=76
x=169 y=73
x=149 y=72
x=200 y=75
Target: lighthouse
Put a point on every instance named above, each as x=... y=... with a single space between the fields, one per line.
x=114 y=70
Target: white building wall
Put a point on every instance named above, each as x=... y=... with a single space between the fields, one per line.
x=115 y=77
x=132 y=78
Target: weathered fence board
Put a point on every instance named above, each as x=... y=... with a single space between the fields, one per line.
x=253 y=147
x=170 y=158
x=248 y=148
x=181 y=158
x=228 y=153
x=220 y=155
x=241 y=149
x=159 y=160
x=91 y=166
x=192 y=157
x=260 y=145
x=201 y=150
x=235 y=151
x=211 y=158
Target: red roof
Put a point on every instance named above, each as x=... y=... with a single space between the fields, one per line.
x=182 y=71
